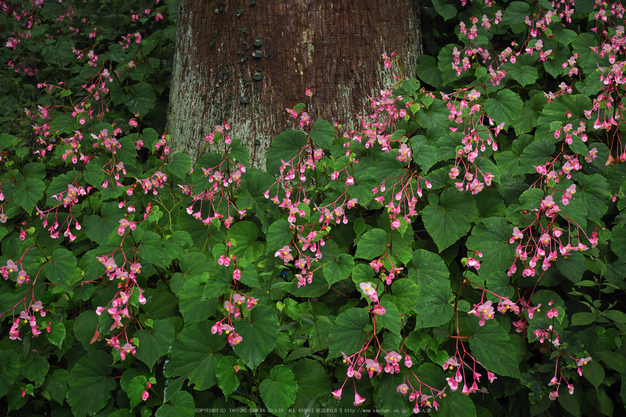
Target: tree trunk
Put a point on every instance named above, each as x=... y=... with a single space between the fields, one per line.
x=244 y=62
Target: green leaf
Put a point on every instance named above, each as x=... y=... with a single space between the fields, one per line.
x=435 y=115
x=537 y=153
x=85 y=327
x=427 y=267
x=349 y=332
x=179 y=165
x=228 y=378
x=242 y=235
x=491 y=237
x=258 y=336
x=573 y=266
x=90 y=383
x=180 y=405
x=57 y=333
x=312 y=380
x=516 y=12
x=433 y=307
x=524 y=74
x=594 y=372
x=36 y=368
x=338 y=269
x=427 y=70
x=6 y=140
x=135 y=390
x=60 y=268
x=195 y=306
x=323 y=134
x=447 y=11
x=506 y=107
x=279 y=390
x=405 y=292
x=55 y=386
x=491 y=346
x=372 y=244
x=9 y=370
x=151 y=249
x=29 y=191
x=154 y=342
x=284 y=147
x=279 y=235
x=194 y=355
x=451 y=218
x=391 y=320
x=595 y=193
x=570 y=402
x=455 y=404
x=423 y=154
x=141 y=100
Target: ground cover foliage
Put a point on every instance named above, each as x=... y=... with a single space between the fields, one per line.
x=461 y=253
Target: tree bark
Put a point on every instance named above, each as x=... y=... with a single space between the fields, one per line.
x=244 y=62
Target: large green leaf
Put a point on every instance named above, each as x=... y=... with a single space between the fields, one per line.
x=155 y=342
x=90 y=383
x=9 y=370
x=312 y=381
x=427 y=70
x=491 y=238
x=423 y=154
x=455 y=404
x=55 y=386
x=323 y=134
x=228 y=375
x=349 y=332
x=141 y=100
x=284 y=147
x=279 y=235
x=29 y=191
x=35 y=368
x=506 y=107
x=258 y=336
x=372 y=244
x=492 y=347
x=523 y=74
x=151 y=249
x=573 y=266
x=180 y=405
x=194 y=305
x=537 y=153
x=242 y=235
x=179 y=165
x=433 y=307
x=391 y=320
x=450 y=218
x=595 y=193
x=338 y=268
x=445 y=10
x=195 y=355
x=427 y=267
x=279 y=390
x=61 y=267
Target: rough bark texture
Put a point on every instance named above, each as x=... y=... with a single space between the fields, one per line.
x=333 y=47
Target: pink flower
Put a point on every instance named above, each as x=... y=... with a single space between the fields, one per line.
x=337 y=394
x=234 y=339
x=490 y=376
x=127 y=348
x=145 y=395
x=358 y=400
x=402 y=389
